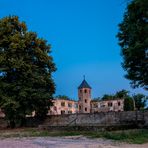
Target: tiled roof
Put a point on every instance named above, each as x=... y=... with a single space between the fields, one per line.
x=84 y=84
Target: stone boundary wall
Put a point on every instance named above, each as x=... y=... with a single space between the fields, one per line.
x=128 y=119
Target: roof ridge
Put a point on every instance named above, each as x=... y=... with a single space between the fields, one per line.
x=84 y=84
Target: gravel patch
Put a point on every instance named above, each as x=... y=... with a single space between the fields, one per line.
x=64 y=142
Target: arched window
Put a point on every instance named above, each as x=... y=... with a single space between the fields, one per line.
x=85 y=90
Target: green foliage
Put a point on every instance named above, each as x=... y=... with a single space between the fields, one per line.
x=128 y=104
x=26 y=69
x=121 y=94
x=108 y=97
x=140 y=101
x=137 y=136
x=62 y=97
x=118 y=95
x=133 y=39
x=131 y=136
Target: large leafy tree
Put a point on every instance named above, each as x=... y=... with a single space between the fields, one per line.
x=26 y=68
x=133 y=39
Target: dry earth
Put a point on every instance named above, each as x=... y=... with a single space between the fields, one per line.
x=65 y=142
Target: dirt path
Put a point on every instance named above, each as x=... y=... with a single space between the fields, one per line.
x=65 y=142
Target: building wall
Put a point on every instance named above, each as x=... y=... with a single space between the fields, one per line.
x=62 y=106
x=107 y=105
x=84 y=95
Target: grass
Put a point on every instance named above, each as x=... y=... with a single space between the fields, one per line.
x=136 y=136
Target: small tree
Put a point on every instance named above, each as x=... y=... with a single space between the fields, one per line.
x=140 y=101
x=128 y=104
x=26 y=68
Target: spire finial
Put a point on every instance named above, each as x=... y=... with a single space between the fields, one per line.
x=84 y=77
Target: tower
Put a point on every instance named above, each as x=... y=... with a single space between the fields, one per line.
x=84 y=94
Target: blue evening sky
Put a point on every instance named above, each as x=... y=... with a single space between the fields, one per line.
x=83 y=38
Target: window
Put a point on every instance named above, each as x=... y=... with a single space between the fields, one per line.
x=76 y=105
x=110 y=104
x=62 y=103
x=85 y=101
x=62 y=112
x=69 y=112
x=102 y=105
x=80 y=90
x=80 y=107
x=69 y=105
x=95 y=105
x=55 y=108
x=119 y=103
x=85 y=90
x=85 y=109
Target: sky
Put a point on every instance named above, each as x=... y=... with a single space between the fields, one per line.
x=82 y=34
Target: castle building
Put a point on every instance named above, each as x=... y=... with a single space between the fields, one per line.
x=85 y=104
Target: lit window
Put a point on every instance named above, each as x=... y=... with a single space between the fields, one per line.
x=62 y=103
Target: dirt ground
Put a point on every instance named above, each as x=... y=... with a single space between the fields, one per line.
x=64 y=142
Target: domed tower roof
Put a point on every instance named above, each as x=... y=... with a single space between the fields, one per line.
x=84 y=84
